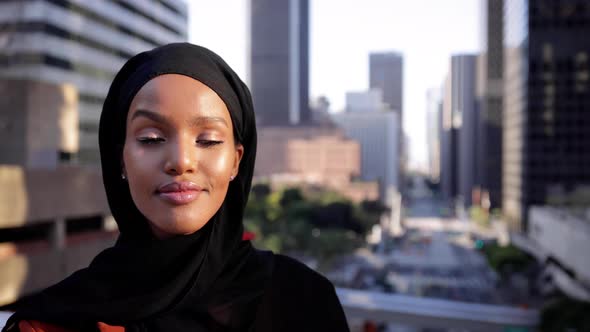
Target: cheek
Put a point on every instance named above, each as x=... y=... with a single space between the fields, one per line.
x=136 y=160
x=139 y=167
x=221 y=166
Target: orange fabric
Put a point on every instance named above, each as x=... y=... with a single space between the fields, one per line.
x=109 y=328
x=36 y=326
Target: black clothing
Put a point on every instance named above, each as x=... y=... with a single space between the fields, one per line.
x=207 y=281
x=299 y=299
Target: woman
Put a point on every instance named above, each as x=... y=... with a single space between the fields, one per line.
x=178 y=142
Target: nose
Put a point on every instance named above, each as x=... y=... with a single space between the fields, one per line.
x=181 y=157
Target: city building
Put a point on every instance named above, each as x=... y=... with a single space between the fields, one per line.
x=448 y=146
x=39 y=123
x=433 y=132
x=490 y=125
x=562 y=261
x=365 y=101
x=386 y=74
x=546 y=128
x=82 y=44
x=378 y=132
x=57 y=60
x=279 y=61
x=459 y=130
x=479 y=196
x=312 y=155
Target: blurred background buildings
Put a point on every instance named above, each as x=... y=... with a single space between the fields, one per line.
x=514 y=143
x=546 y=136
x=57 y=60
x=370 y=121
x=82 y=44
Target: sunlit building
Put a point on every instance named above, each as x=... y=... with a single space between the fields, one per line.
x=57 y=60
x=312 y=155
x=448 y=145
x=279 y=61
x=83 y=44
x=546 y=137
x=566 y=266
x=434 y=126
x=317 y=153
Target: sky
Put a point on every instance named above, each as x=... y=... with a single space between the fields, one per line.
x=344 y=32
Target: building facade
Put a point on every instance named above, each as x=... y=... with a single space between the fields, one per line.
x=459 y=136
x=490 y=124
x=549 y=227
x=83 y=44
x=546 y=135
x=378 y=133
x=365 y=101
x=386 y=74
x=316 y=155
x=279 y=61
x=312 y=155
x=433 y=125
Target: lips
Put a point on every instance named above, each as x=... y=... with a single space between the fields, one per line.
x=179 y=193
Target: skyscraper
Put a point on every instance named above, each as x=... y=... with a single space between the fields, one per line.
x=459 y=130
x=386 y=74
x=433 y=124
x=279 y=61
x=490 y=124
x=448 y=145
x=546 y=135
x=82 y=44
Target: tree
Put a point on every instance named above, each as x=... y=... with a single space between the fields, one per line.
x=261 y=190
x=290 y=196
x=318 y=223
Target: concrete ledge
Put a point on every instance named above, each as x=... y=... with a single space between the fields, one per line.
x=41 y=195
x=435 y=313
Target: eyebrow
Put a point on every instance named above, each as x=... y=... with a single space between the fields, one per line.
x=197 y=121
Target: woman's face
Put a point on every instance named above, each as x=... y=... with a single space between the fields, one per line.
x=179 y=153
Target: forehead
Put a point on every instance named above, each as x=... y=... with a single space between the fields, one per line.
x=179 y=95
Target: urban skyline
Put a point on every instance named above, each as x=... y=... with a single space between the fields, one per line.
x=379 y=25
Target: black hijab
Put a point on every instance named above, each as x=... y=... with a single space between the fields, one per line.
x=210 y=280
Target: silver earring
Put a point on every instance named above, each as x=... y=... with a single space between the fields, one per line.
x=231 y=178
x=123 y=176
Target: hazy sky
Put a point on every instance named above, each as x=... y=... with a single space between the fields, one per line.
x=344 y=32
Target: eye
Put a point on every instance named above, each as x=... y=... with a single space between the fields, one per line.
x=207 y=143
x=150 y=140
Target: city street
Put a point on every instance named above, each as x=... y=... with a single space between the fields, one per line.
x=434 y=257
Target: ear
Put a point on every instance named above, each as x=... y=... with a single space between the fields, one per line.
x=238 y=157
